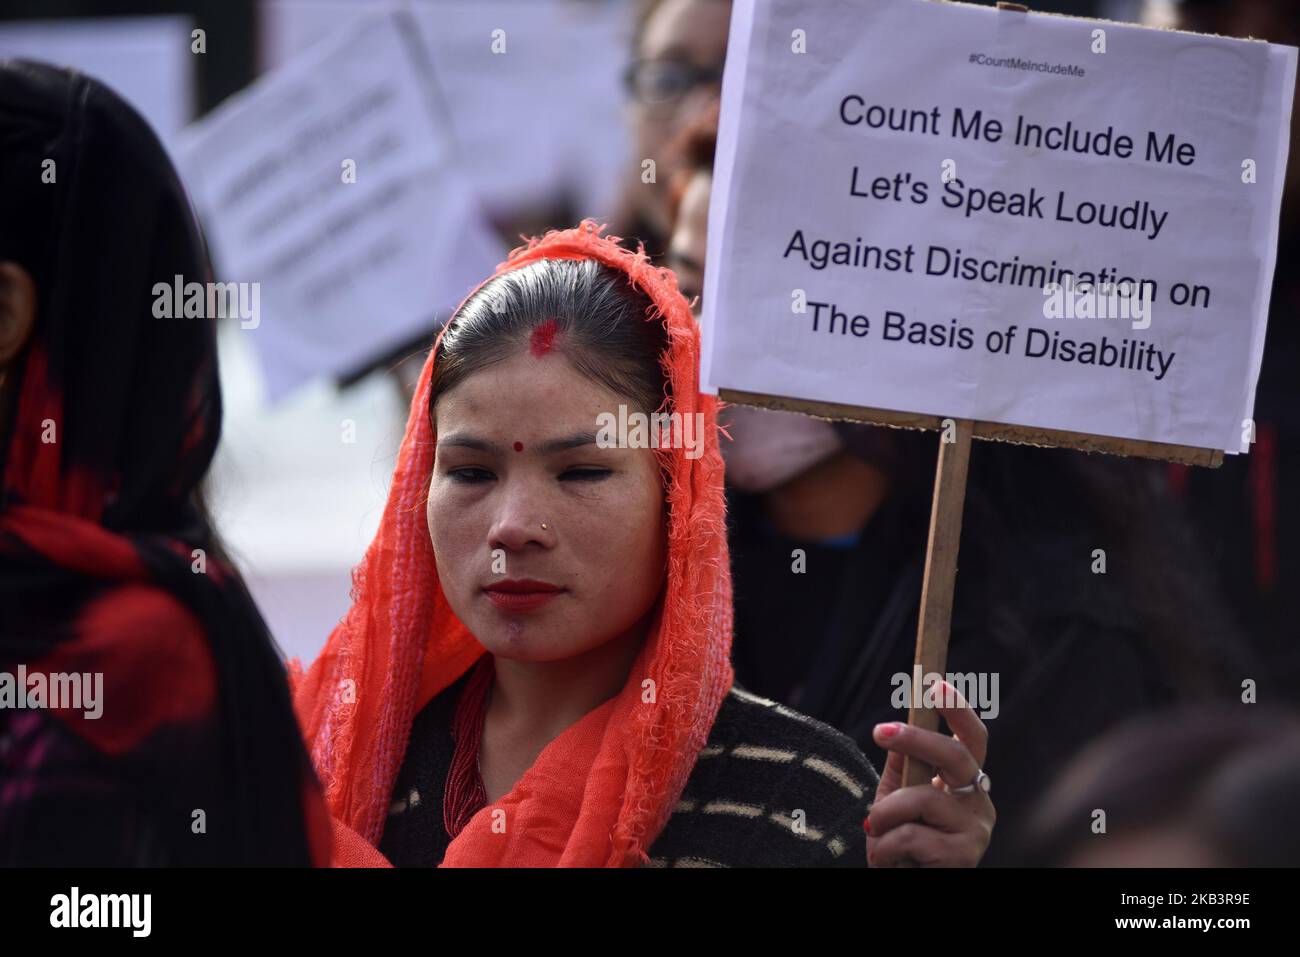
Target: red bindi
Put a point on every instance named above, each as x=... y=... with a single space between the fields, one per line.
x=519 y=446
x=543 y=339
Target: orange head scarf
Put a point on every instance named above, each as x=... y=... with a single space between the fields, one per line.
x=600 y=793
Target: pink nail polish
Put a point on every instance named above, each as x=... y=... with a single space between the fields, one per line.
x=889 y=730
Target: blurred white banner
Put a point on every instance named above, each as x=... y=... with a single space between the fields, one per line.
x=533 y=88
x=334 y=183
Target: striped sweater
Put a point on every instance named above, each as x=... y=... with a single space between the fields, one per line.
x=771 y=788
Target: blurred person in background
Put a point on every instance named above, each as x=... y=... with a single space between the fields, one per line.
x=109 y=417
x=1205 y=787
x=675 y=74
x=1074 y=651
x=1246 y=514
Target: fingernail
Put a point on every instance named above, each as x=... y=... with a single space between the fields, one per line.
x=866 y=824
x=889 y=730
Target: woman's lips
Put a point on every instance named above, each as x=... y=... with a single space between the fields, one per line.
x=517 y=601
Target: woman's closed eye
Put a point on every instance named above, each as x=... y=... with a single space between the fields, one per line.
x=585 y=475
x=469 y=476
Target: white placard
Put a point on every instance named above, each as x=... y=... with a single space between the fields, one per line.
x=915 y=175
x=533 y=89
x=333 y=183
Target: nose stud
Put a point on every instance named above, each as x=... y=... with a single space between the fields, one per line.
x=543 y=524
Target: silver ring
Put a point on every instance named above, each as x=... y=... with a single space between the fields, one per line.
x=982 y=782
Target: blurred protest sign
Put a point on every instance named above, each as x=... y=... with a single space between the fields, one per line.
x=568 y=132
x=533 y=89
x=899 y=185
x=334 y=183
x=1045 y=229
x=146 y=60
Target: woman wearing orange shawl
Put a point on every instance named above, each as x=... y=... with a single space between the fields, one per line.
x=536 y=667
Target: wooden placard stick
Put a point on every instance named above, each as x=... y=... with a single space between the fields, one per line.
x=940 y=576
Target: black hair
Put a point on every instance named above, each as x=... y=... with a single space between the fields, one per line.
x=139 y=405
x=1226 y=778
x=606 y=327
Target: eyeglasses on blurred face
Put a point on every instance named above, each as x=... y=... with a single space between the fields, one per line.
x=667 y=82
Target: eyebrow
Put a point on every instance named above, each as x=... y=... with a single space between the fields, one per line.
x=465 y=440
